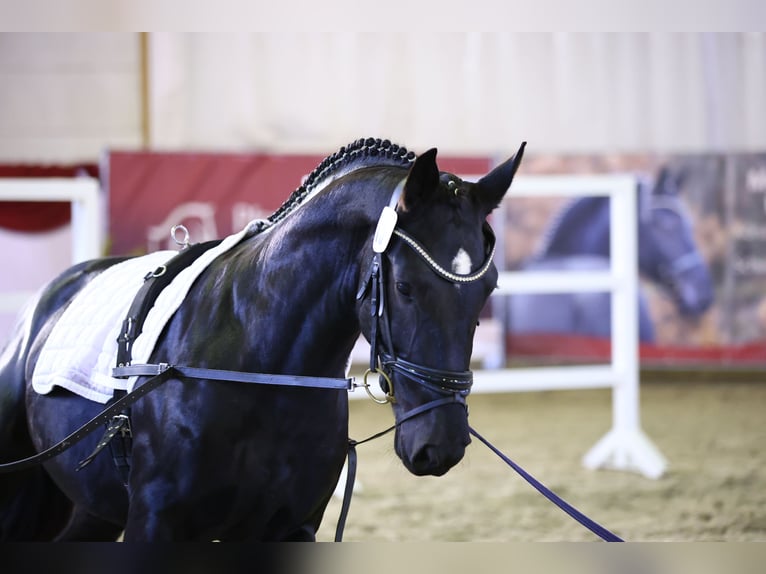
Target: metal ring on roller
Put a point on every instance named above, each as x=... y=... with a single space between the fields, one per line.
x=184 y=242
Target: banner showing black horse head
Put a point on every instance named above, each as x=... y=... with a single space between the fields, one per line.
x=701 y=261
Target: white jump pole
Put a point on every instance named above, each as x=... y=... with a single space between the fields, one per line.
x=624 y=447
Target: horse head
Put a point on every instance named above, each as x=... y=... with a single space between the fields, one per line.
x=430 y=275
x=667 y=251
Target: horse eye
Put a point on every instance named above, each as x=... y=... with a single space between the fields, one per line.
x=404 y=288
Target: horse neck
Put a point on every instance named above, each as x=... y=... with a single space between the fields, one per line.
x=582 y=229
x=304 y=275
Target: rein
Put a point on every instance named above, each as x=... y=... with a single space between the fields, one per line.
x=588 y=523
x=603 y=533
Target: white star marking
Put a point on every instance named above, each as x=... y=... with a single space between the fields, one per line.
x=462 y=263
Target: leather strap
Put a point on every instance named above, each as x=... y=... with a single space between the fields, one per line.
x=119 y=423
x=588 y=523
x=347 y=491
x=154 y=282
x=95 y=423
x=159 y=374
x=236 y=376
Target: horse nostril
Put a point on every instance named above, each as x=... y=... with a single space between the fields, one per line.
x=423 y=459
x=429 y=460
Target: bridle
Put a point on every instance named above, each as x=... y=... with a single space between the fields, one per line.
x=453 y=386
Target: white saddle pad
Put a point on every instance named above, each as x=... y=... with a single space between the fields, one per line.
x=82 y=348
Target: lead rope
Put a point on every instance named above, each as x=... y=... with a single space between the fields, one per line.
x=585 y=521
x=350 y=478
x=588 y=523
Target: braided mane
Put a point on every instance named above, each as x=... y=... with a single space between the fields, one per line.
x=360 y=153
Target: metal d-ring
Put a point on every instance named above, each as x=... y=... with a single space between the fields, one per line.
x=159 y=272
x=389 y=398
x=184 y=242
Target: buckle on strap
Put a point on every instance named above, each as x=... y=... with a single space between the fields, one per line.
x=126 y=371
x=118 y=424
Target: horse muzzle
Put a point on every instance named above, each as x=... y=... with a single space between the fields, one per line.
x=431 y=436
x=434 y=443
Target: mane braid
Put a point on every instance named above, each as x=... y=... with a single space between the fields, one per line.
x=360 y=153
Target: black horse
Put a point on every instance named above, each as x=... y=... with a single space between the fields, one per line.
x=226 y=460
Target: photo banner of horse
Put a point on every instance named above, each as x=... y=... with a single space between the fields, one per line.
x=702 y=262
x=702 y=243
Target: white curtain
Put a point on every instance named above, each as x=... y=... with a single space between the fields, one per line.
x=67 y=97
x=468 y=93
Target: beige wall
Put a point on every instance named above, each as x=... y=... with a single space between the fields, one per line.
x=66 y=97
x=466 y=92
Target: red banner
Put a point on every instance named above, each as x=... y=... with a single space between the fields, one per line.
x=35 y=216
x=213 y=195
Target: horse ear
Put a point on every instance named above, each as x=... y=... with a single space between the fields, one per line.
x=422 y=181
x=492 y=187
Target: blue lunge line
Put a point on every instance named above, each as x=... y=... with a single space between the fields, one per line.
x=591 y=525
